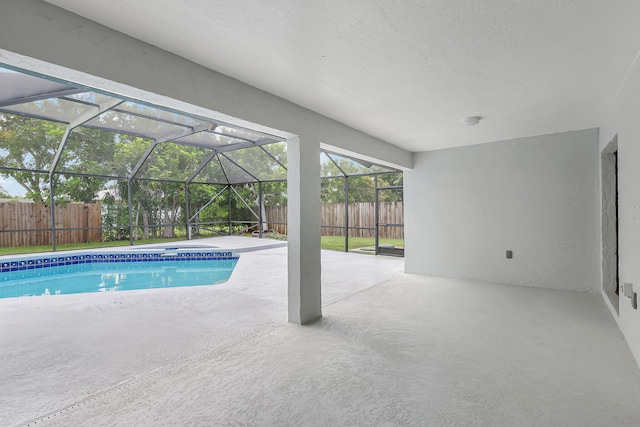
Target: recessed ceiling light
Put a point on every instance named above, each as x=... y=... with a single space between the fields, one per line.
x=471 y=121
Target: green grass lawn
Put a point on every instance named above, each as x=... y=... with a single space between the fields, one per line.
x=72 y=246
x=336 y=243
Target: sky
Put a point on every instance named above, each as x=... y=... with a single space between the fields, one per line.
x=9 y=185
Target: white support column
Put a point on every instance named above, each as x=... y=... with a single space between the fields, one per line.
x=303 y=229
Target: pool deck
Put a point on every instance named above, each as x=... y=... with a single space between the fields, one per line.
x=392 y=349
x=58 y=351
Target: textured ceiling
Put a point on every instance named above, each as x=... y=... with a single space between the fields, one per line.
x=406 y=71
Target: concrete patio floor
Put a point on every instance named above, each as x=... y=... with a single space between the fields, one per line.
x=411 y=350
x=57 y=351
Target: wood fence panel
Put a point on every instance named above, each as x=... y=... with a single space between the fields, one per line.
x=277 y=214
x=361 y=219
x=95 y=219
x=35 y=219
x=392 y=213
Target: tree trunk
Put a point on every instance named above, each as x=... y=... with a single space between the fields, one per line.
x=135 y=226
x=263 y=214
x=168 y=228
x=196 y=225
x=145 y=223
x=171 y=213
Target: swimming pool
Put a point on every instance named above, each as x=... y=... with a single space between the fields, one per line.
x=74 y=273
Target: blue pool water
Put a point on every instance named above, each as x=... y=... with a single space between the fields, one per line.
x=73 y=277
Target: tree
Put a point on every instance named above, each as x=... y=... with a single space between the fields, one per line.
x=28 y=147
x=80 y=189
x=4 y=194
x=242 y=166
x=170 y=161
x=28 y=144
x=199 y=196
x=391 y=180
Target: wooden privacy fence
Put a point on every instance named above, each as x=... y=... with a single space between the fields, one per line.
x=361 y=215
x=35 y=221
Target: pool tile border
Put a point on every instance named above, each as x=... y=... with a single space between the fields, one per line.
x=47 y=261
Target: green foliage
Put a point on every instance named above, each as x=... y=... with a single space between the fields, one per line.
x=13 y=250
x=232 y=203
x=95 y=161
x=28 y=144
x=31 y=144
x=4 y=194
x=83 y=189
x=115 y=216
x=362 y=189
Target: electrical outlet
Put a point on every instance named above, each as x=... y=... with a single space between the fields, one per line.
x=509 y=254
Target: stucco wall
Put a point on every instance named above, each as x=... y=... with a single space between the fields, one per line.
x=535 y=196
x=622 y=120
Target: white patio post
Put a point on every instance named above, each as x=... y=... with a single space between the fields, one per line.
x=303 y=228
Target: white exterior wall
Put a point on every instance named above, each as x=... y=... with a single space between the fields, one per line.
x=623 y=119
x=538 y=196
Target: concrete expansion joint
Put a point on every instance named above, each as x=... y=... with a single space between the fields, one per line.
x=137 y=379
x=361 y=291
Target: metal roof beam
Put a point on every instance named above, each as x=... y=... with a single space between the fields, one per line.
x=228 y=135
x=142 y=159
x=95 y=112
x=272 y=156
x=230 y=147
x=119 y=131
x=166 y=138
x=209 y=202
x=41 y=96
x=202 y=165
x=32 y=116
x=224 y=172
x=245 y=203
x=79 y=121
x=208 y=146
x=335 y=163
x=160 y=119
x=236 y=163
x=191 y=131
